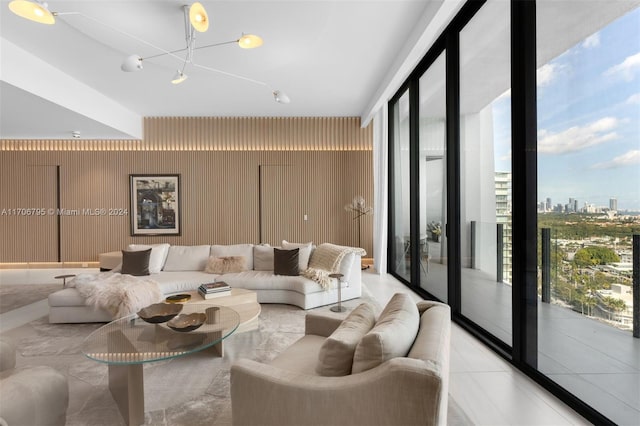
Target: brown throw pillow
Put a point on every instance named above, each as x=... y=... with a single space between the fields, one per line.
x=285 y=262
x=135 y=262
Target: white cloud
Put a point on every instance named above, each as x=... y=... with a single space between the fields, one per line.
x=592 y=41
x=578 y=137
x=546 y=74
x=626 y=69
x=630 y=158
x=633 y=99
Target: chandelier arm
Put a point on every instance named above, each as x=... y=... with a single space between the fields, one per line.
x=195 y=48
x=189 y=34
x=164 y=54
x=124 y=33
x=262 y=83
x=215 y=44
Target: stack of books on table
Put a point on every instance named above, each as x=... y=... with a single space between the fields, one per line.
x=217 y=289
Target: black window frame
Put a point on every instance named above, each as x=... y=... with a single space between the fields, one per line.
x=523 y=352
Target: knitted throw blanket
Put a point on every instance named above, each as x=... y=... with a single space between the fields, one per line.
x=325 y=260
x=116 y=293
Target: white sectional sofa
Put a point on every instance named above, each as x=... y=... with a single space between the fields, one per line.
x=182 y=268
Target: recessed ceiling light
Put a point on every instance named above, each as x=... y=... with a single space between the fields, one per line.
x=75 y=134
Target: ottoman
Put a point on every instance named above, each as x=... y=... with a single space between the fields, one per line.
x=67 y=306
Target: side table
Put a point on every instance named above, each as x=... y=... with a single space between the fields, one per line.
x=339 y=307
x=64 y=279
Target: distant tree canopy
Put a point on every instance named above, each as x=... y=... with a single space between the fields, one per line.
x=578 y=226
x=591 y=256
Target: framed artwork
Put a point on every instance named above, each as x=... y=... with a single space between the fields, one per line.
x=155 y=204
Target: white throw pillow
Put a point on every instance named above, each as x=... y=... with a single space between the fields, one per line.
x=158 y=256
x=391 y=337
x=245 y=250
x=336 y=353
x=263 y=258
x=187 y=258
x=303 y=255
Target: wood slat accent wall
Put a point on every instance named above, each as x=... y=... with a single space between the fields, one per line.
x=219 y=181
x=224 y=134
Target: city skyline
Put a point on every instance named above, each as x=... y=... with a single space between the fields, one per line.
x=551 y=204
x=588 y=120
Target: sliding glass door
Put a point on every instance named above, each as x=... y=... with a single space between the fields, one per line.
x=432 y=173
x=485 y=170
x=399 y=196
x=588 y=99
x=516 y=202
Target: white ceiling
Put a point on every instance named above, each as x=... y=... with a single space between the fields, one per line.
x=331 y=57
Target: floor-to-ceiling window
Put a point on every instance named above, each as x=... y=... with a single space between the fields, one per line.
x=399 y=196
x=485 y=169
x=588 y=107
x=472 y=161
x=432 y=180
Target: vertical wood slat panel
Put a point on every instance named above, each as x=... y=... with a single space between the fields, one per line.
x=220 y=198
x=224 y=134
x=219 y=181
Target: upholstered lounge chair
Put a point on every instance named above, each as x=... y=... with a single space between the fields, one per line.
x=404 y=390
x=31 y=395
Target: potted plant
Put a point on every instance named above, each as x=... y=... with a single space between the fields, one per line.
x=435 y=228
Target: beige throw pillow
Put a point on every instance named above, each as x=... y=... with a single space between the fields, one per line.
x=225 y=265
x=263 y=258
x=391 y=337
x=336 y=353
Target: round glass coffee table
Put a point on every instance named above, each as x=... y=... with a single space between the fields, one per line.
x=126 y=343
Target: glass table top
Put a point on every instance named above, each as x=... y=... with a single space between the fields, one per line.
x=131 y=340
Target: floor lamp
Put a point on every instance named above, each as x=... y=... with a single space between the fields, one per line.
x=359 y=209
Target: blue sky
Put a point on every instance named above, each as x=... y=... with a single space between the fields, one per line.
x=588 y=120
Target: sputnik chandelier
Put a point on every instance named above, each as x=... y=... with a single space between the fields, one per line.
x=195 y=20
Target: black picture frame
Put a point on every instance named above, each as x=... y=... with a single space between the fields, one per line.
x=155 y=201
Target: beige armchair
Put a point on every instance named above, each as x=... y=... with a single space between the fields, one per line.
x=401 y=391
x=31 y=395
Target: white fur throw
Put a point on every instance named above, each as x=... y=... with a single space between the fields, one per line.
x=116 y=293
x=325 y=260
x=225 y=265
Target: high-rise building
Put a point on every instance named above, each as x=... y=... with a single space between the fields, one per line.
x=613 y=204
x=503 y=216
x=549 y=206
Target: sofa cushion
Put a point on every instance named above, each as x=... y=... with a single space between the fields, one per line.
x=263 y=258
x=391 y=337
x=225 y=265
x=285 y=262
x=336 y=354
x=345 y=266
x=303 y=255
x=158 y=254
x=187 y=258
x=180 y=281
x=136 y=262
x=267 y=280
x=301 y=356
x=245 y=250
